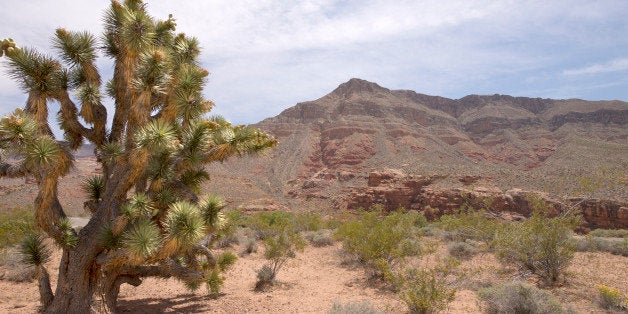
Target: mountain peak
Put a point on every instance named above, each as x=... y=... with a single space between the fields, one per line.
x=356 y=85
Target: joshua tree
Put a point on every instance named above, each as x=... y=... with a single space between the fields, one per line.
x=146 y=217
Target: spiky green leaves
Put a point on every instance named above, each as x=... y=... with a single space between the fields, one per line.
x=94 y=187
x=109 y=238
x=157 y=136
x=151 y=74
x=44 y=153
x=184 y=224
x=19 y=134
x=35 y=72
x=18 y=128
x=76 y=48
x=137 y=29
x=141 y=240
x=210 y=207
x=140 y=205
x=69 y=236
x=34 y=250
x=185 y=50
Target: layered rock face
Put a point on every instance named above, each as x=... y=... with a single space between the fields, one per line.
x=391 y=189
x=327 y=146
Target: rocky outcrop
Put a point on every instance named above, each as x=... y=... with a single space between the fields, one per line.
x=392 y=189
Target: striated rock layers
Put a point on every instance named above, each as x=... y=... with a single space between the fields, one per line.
x=329 y=145
x=392 y=189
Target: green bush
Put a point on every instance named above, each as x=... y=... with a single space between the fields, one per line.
x=304 y=221
x=15 y=226
x=280 y=246
x=471 y=225
x=539 y=245
x=380 y=241
x=518 y=297
x=353 y=308
x=612 y=299
x=266 y=224
x=426 y=291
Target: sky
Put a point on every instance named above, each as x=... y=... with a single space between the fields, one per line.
x=266 y=56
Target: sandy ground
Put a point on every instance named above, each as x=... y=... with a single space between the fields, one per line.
x=317 y=278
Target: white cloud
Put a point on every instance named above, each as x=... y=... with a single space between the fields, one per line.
x=615 y=65
x=266 y=55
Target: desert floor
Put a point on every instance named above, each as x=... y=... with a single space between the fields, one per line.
x=318 y=277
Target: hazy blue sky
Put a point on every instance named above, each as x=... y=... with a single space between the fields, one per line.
x=265 y=56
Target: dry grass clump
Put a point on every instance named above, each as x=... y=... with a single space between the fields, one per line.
x=461 y=250
x=590 y=243
x=610 y=233
x=519 y=297
x=363 y=307
x=319 y=238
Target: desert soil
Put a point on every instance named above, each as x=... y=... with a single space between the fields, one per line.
x=317 y=278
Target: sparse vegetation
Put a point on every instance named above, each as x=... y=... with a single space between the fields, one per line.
x=427 y=290
x=540 y=245
x=379 y=241
x=280 y=246
x=363 y=307
x=590 y=243
x=461 y=250
x=610 y=233
x=249 y=245
x=319 y=238
x=519 y=297
x=15 y=225
x=470 y=224
x=611 y=299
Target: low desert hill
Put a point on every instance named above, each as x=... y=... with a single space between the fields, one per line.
x=329 y=146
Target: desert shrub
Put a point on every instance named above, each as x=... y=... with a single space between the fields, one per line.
x=461 y=250
x=280 y=246
x=265 y=277
x=249 y=246
x=539 y=245
x=363 y=307
x=15 y=226
x=380 y=242
x=319 y=238
x=591 y=243
x=426 y=291
x=305 y=221
x=610 y=233
x=611 y=299
x=518 y=297
x=266 y=224
x=470 y=225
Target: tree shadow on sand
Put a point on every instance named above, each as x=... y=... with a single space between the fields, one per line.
x=181 y=303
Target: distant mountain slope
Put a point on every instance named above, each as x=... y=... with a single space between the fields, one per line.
x=543 y=144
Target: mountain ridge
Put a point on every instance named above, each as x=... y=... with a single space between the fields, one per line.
x=329 y=145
